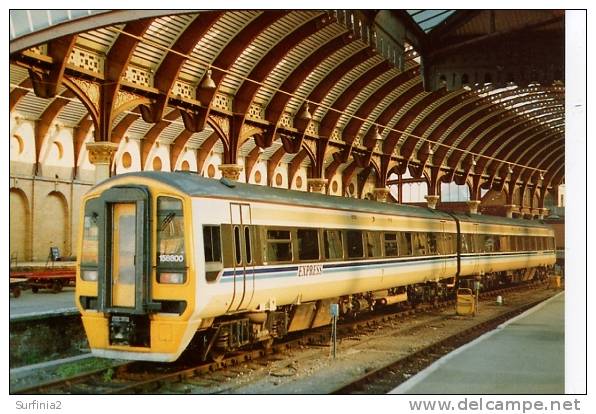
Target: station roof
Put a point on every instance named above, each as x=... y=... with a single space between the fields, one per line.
x=462 y=93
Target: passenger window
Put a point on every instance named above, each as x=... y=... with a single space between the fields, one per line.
x=405 y=244
x=391 y=245
x=248 y=250
x=308 y=244
x=212 y=243
x=503 y=243
x=170 y=232
x=419 y=242
x=333 y=245
x=432 y=243
x=489 y=243
x=279 y=246
x=90 y=253
x=212 y=248
x=373 y=244
x=354 y=243
x=449 y=243
x=237 y=248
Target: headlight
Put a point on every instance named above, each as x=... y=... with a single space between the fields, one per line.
x=171 y=278
x=89 y=275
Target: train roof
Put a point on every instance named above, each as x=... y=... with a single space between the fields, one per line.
x=197 y=186
x=482 y=219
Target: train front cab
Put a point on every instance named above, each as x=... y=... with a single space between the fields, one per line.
x=135 y=276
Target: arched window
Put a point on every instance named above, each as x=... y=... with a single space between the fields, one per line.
x=414 y=192
x=453 y=192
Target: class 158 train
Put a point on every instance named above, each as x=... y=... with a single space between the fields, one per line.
x=171 y=261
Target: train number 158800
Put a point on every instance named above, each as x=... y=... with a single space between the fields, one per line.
x=310 y=270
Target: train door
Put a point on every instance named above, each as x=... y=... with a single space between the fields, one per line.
x=477 y=249
x=123 y=254
x=442 y=245
x=243 y=257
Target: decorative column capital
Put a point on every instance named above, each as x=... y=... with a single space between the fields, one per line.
x=432 y=200
x=509 y=210
x=542 y=212
x=473 y=206
x=317 y=185
x=381 y=194
x=101 y=152
x=230 y=171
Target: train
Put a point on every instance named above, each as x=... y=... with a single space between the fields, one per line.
x=173 y=262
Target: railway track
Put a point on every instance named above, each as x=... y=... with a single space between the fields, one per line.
x=386 y=378
x=143 y=377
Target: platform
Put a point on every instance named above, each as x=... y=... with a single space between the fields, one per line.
x=525 y=355
x=43 y=304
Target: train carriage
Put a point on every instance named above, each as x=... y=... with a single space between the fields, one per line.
x=170 y=258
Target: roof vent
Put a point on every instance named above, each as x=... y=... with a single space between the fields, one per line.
x=228 y=183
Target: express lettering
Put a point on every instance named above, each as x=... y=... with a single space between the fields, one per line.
x=310 y=270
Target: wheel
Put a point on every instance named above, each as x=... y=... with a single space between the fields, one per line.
x=56 y=286
x=34 y=289
x=267 y=344
x=217 y=355
x=16 y=291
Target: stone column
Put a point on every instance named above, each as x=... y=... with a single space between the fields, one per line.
x=509 y=210
x=230 y=171
x=473 y=206
x=432 y=200
x=381 y=194
x=317 y=185
x=100 y=155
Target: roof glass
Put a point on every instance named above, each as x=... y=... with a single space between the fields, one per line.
x=429 y=19
x=23 y=22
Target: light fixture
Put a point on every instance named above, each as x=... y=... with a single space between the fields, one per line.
x=378 y=135
x=541 y=175
x=510 y=170
x=304 y=113
x=430 y=149
x=207 y=82
x=473 y=160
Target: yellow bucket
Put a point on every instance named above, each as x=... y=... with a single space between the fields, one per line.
x=555 y=282
x=466 y=302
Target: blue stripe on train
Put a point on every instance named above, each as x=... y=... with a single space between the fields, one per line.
x=265 y=273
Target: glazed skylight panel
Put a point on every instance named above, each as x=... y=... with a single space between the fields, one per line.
x=139 y=128
x=262 y=44
x=294 y=58
x=454 y=108
x=268 y=152
x=17 y=74
x=385 y=103
x=429 y=110
x=99 y=40
x=320 y=72
x=364 y=94
x=465 y=133
x=171 y=132
x=213 y=42
x=72 y=113
x=160 y=36
x=246 y=148
x=31 y=106
x=401 y=113
x=197 y=139
x=345 y=83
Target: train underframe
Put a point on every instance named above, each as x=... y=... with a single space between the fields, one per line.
x=232 y=332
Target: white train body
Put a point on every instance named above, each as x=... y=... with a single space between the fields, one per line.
x=168 y=257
